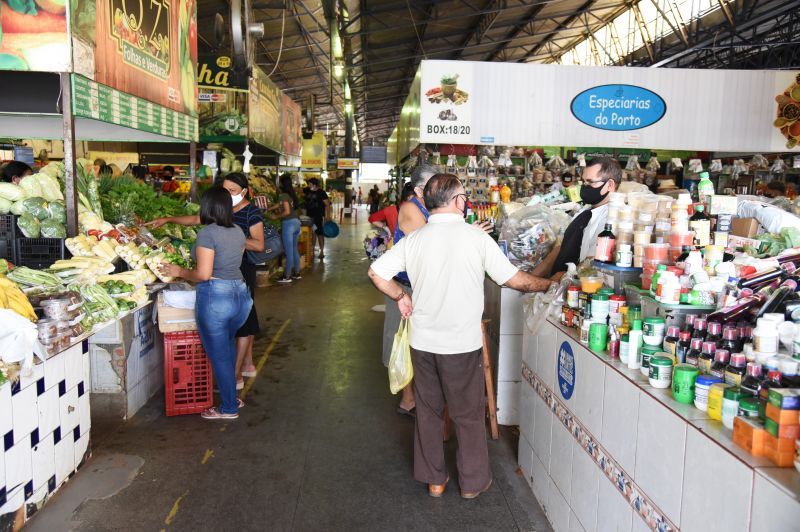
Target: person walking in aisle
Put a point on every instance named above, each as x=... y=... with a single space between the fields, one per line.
x=318 y=208
x=223 y=300
x=447 y=261
x=286 y=212
x=374 y=199
x=387 y=217
x=411 y=216
x=249 y=218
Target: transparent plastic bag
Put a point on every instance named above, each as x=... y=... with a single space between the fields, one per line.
x=540 y=306
x=400 y=369
x=530 y=233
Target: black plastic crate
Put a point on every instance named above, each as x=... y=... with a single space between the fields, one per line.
x=8 y=250
x=8 y=227
x=39 y=253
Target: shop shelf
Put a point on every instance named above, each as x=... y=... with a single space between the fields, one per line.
x=187 y=374
x=39 y=253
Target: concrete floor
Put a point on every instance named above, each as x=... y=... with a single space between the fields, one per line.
x=318 y=446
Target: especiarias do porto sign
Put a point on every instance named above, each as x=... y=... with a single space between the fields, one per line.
x=618 y=107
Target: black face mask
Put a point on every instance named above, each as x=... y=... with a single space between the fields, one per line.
x=591 y=195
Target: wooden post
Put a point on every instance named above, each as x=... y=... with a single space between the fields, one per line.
x=70 y=177
x=491 y=403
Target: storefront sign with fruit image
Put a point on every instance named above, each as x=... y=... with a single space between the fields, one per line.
x=788 y=120
x=142 y=33
x=33 y=35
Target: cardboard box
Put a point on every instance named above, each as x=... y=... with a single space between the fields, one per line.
x=738 y=242
x=749 y=434
x=746 y=227
x=791 y=432
x=171 y=319
x=785 y=398
x=782 y=417
x=779 y=450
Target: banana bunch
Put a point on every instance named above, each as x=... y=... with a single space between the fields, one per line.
x=12 y=298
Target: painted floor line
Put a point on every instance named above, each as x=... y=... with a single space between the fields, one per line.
x=175 y=507
x=262 y=362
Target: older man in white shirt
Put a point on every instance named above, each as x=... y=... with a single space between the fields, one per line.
x=447 y=261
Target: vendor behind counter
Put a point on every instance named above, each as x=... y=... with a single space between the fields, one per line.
x=601 y=177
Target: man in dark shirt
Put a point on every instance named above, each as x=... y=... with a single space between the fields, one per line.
x=318 y=208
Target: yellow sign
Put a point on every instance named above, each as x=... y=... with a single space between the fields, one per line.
x=315 y=153
x=347 y=164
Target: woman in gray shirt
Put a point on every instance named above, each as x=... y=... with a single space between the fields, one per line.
x=223 y=300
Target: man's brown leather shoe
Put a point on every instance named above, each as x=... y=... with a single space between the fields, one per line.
x=437 y=490
x=472 y=495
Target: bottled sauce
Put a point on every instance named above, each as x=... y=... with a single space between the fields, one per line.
x=777 y=299
x=773 y=380
x=682 y=349
x=671 y=340
x=705 y=188
x=700 y=223
x=714 y=333
x=693 y=354
x=706 y=358
x=699 y=329
x=751 y=383
x=734 y=373
x=730 y=340
x=721 y=359
x=605 y=245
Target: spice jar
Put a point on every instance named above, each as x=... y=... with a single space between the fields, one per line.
x=702 y=387
x=573 y=296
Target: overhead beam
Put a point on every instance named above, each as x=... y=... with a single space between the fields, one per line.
x=484 y=23
x=561 y=26
x=529 y=18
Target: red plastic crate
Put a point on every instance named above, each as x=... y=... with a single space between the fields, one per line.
x=187 y=374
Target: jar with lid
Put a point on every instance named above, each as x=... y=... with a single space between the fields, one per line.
x=624 y=256
x=671 y=340
x=715 y=395
x=765 y=336
x=734 y=373
x=695 y=349
x=751 y=383
x=654 y=331
x=730 y=340
x=701 y=389
x=706 y=358
x=721 y=358
x=683 y=383
x=682 y=349
x=573 y=295
x=730 y=405
x=648 y=352
x=600 y=307
x=660 y=374
x=748 y=407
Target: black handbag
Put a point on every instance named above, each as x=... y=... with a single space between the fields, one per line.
x=273 y=247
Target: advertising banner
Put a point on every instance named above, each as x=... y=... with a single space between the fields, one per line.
x=264 y=111
x=222 y=115
x=615 y=107
x=291 y=138
x=33 y=35
x=147 y=49
x=216 y=72
x=346 y=163
x=315 y=153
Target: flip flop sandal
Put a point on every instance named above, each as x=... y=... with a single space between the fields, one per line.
x=403 y=412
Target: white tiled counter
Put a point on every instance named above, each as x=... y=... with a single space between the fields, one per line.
x=44 y=424
x=603 y=450
x=503 y=307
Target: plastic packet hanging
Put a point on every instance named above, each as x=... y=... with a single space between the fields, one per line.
x=436 y=159
x=535 y=160
x=739 y=167
x=715 y=166
x=633 y=163
x=676 y=162
x=556 y=164
x=759 y=162
x=582 y=160
x=452 y=164
x=695 y=166
x=778 y=167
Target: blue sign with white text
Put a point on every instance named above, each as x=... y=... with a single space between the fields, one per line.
x=566 y=370
x=618 y=107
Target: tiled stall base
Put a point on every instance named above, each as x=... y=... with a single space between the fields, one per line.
x=44 y=425
x=641 y=504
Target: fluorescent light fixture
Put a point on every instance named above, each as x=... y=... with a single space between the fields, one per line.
x=338 y=70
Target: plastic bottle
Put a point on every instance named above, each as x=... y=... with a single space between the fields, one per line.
x=721 y=359
x=751 y=384
x=735 y=372
x=604 y=252
x=706 y=357
x=624 y=256
x=700 y=223
x=682 y=349
x=693 y=355
x=705 y=188
x=635 y=345
x=624 y=347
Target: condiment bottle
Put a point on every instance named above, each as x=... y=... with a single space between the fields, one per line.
x=730 y=340
x=693 y=355
x=573 y=295
x=706 y=358
x=751 y=384
x=682 y=349
x=635 y=345
x=734 y=373
x=604 y=252
x=773 y=381
x=671 y=340
x=699 y=329
x=714 y=333
x=721 y=358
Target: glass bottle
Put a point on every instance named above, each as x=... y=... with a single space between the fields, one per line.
x=778 y=298
x=751 y=383
x=684 y=344
x=730 y=340
x=741 y=307
x=721 y=359
x=706 y=358
x=604 y=252
x=695 y=348
x=734 y=373
x=700 y=223
x=699 y=329
x=714 y=333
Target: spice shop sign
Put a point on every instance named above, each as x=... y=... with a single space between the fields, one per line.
x=618 y=107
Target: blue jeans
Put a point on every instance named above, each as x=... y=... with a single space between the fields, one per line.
x=222 y=307
x=290 y=232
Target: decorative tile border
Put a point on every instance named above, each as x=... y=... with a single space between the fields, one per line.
x=653 y=517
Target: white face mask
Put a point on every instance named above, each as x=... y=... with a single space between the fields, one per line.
x=236 y=200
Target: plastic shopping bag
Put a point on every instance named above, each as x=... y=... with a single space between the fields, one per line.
x=400 y=369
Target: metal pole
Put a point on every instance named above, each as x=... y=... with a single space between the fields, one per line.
x=70 y=188
x=348 y=152
x=193 y=170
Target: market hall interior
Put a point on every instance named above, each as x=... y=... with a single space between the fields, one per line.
x=318 y=445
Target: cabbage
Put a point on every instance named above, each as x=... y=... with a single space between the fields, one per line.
x=53 y=229
x=29 y=226
x=57 y=211
x=5 y=206
x=11 y=192
x=51 y=190
x=31 y=186
x=37 y=207
x=18 y=207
